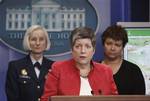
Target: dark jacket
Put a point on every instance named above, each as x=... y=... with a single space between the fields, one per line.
x=22 y=83
x=129 y=79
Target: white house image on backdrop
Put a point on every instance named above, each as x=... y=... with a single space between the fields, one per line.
x=47 y=13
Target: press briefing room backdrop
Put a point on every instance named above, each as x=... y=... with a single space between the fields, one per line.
x=17 y=15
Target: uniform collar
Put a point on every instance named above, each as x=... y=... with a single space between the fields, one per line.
x=34 y=61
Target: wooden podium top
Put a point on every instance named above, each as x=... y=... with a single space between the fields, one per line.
x=102 y=98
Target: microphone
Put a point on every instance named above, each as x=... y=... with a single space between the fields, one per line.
x=96 y=92
x=92 y=92
x=100 y=92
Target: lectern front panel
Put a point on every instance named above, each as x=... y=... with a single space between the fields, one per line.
x=102 y=98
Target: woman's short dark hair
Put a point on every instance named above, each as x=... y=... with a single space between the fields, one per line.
x=115 y=32
x=81 y=33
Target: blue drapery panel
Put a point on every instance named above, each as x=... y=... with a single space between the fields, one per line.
x=6 y=54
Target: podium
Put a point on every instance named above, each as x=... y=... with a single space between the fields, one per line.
x=102 y=98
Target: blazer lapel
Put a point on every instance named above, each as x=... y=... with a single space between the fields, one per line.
x=44 y=69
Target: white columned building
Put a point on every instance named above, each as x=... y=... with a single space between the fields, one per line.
x=48 y=13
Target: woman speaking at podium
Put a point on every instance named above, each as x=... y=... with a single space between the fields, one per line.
x=80 y=75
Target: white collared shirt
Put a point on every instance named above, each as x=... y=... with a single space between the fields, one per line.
x=37 y=71
x=85 y=88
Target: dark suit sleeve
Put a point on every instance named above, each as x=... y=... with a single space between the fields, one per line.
x=12 y=90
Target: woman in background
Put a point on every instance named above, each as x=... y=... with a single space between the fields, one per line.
x=26 y=77
x=128 y=76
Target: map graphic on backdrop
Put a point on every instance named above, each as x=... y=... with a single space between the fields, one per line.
x=59 y=17
x=137 y=51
